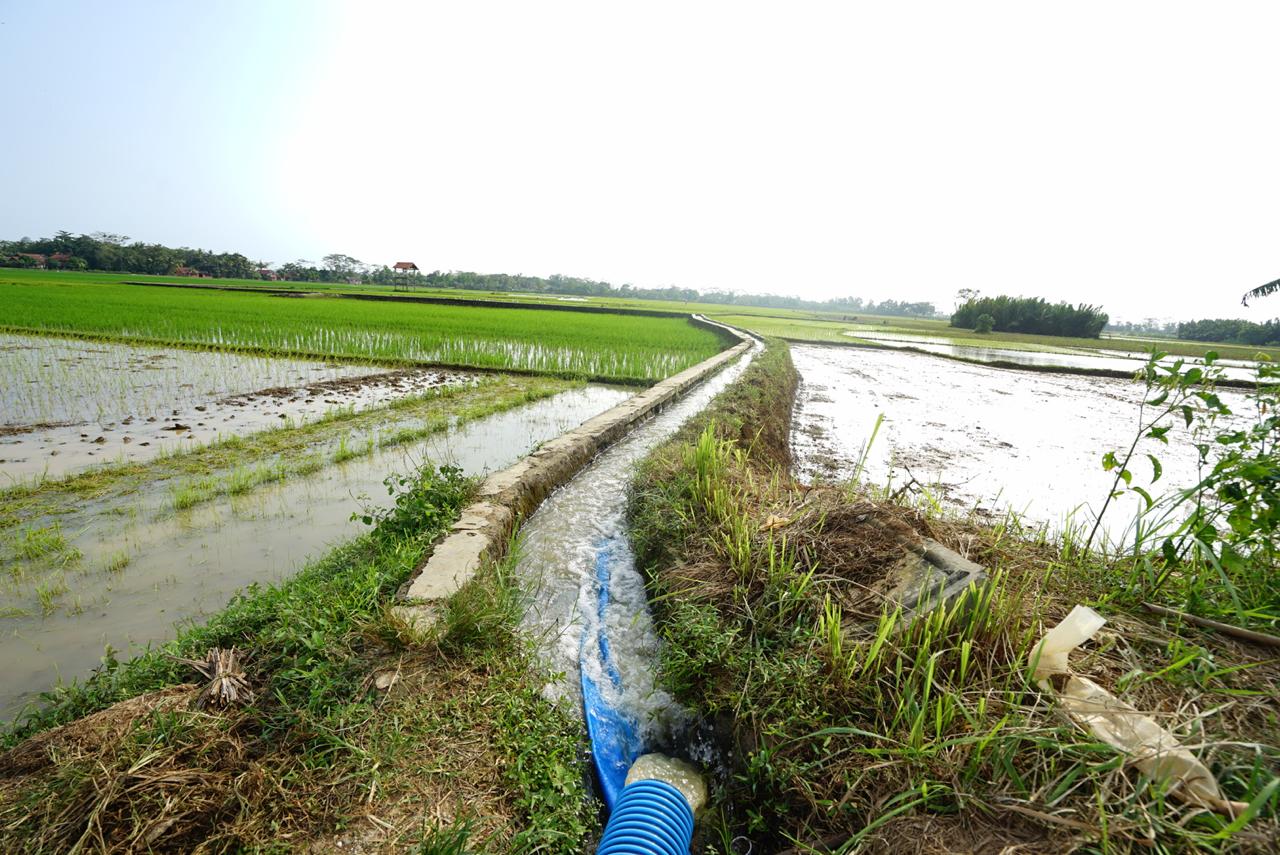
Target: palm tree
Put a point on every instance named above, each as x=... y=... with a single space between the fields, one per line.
x=1261 y=291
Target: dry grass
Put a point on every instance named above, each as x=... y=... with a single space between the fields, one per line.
x=156 y=773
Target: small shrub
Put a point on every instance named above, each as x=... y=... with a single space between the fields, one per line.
x=422 y=500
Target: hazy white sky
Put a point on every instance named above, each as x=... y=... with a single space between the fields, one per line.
x=1126 y=154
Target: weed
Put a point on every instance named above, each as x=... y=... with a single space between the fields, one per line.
x=416 y=506
x=446 y=840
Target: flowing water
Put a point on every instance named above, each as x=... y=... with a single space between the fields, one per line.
x=557 y=556
x=183 y=565
x=977 y=438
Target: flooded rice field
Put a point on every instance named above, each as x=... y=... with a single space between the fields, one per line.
x=138 y=566
x=976 y=438
x=1099 y=359
x=558 y=549
x=68 y=405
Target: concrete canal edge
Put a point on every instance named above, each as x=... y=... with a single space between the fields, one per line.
x=507 y=497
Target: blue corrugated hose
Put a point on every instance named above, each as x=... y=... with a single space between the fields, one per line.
x=650 y=818
x=615 y=739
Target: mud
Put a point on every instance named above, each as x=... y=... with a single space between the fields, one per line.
x=975 y=438
x=181 y=566
x=72 y=405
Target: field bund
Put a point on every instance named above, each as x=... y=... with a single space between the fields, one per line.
x=482 y=532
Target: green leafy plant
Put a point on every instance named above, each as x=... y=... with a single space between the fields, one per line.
x=417 y=505
x=1215 y=539
x=1169 y=391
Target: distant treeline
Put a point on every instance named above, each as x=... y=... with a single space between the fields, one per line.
x=1231 y=331
x=1031 y=315
x=1150 y=326
x=109 y=252
x=574 y=286
x=115 y=253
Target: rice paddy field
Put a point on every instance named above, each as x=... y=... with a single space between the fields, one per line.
x=161 y=448
x=680 y=306
x=923 y=332
x=607 y=347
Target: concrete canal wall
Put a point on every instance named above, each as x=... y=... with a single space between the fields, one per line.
x=506 y=497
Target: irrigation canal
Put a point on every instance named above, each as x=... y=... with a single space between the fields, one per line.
x=558 y=549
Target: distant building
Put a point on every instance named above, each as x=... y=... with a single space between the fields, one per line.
x=267 y=273
x=33 y=259
x=191 y=271
x=405 y=267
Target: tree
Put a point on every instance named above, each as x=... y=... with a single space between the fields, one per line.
x=342 y=266
x=1261 y=291
x=985 y=323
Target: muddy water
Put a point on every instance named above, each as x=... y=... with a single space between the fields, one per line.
x=979 y=438
x=184 y=565
x=1093 y=360
x=557 y=556
x=67 y=405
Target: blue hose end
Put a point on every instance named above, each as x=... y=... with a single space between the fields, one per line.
x=650 y=818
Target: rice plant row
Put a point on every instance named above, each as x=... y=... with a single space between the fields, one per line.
x=605 y=346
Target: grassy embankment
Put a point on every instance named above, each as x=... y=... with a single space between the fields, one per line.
x=611 y=347
x=853 y=730
x=358 y=732
x=833 y=331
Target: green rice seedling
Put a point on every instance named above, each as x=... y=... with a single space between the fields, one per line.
x=192 y=493
x=344 y=451
x=48 y=591
x=627 y=348
x=45 y=543
x=244 y=479
x=116 y=562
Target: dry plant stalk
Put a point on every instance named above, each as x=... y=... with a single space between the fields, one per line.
x=228 y=683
